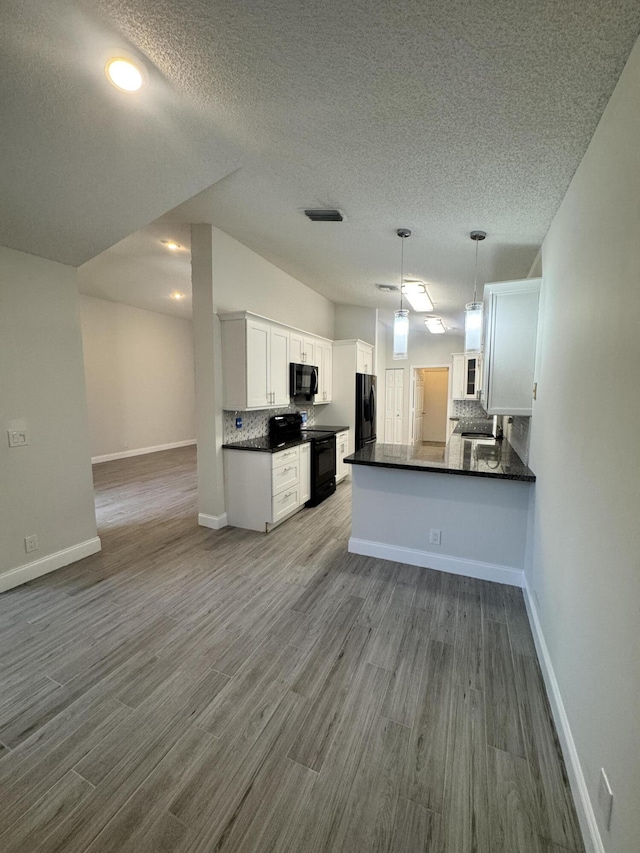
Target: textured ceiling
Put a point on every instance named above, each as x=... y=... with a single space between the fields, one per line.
x=438 y=116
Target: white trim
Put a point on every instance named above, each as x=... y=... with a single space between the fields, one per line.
x=44 y=565
x=586 y=816
x=125 y=454
x=441 y=562
x=215 y=522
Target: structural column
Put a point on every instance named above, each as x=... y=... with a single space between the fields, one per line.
x=208 y=380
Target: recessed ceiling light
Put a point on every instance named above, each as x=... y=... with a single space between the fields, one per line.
x=172 y=245
x=177 y=295
x=124 y=74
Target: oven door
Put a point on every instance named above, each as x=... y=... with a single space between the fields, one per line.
x=323 y=469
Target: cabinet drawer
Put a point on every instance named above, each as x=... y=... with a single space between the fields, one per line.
x=284 y=503
x=285 y=457
x=284 y=477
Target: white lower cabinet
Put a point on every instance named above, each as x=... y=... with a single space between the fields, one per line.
x=263 y=489
x=342 y=450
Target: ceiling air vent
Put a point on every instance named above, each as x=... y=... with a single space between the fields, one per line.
x=388 y=288
x=316 y=215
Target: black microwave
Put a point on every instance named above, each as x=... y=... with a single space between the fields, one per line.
x=303 y=380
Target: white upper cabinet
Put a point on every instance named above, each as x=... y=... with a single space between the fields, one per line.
x=364 y=357
x=279 y=366
x=324 y=354
x=258 y=338
x=255 y=363
x=256 y=355
x=303 y=349
x=466 y=376
x=511 y=324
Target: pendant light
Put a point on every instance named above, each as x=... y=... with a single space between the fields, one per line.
x=401 y=317
x=473 y=310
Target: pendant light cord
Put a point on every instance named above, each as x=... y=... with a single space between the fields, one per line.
x=475 y=277
x=401 y=271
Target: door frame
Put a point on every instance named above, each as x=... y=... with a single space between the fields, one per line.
x=412 y=395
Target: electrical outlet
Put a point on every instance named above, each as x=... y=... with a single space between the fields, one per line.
x=18 y=437
x=238 y=423
x=30 y=543
x=434 y=537
x=605 y=798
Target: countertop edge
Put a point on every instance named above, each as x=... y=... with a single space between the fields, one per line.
x=407 y=466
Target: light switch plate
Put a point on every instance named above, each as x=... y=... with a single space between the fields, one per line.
x=605 y=798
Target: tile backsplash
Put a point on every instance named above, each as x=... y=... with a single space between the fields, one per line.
x=467 y=409
x=517 y=434
x=256 y=422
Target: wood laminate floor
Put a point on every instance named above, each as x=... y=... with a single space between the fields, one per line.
x=192 y=690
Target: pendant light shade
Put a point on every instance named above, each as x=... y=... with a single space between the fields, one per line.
x=473 y=310
x=401 y=317
x=400 y=333
x=472 y=326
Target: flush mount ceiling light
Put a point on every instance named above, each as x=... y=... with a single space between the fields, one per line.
x=417 y=296
x=171 y=245
x=124 y=74
x=435 y=326
x=473 y=310
x=177 y=295
x=401 y=317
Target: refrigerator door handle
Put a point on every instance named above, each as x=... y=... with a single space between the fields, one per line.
x=372 y=403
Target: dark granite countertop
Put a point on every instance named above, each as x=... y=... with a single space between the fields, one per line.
x=323 y=428
x=263 y=444
x=467 y=456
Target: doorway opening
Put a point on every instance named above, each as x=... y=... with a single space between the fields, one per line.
x=430 y=403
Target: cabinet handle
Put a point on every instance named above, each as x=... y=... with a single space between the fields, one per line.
x=284 y=470
x=288 y=495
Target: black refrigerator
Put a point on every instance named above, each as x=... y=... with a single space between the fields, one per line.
x=365 y=409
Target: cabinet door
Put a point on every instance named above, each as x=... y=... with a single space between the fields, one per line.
x=309 y=353
x=305 y=474
x=512 y=320
x=279 y=366
x=457 y=378
x=364 y=358
x=471 y=376
x=324 y=352
x=258 y=365
x=296 y=351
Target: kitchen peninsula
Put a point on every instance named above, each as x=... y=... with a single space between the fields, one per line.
x=463 y=510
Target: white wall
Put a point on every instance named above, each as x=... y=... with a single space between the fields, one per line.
x=425 y=350
x=46 y=487
x=139 y=373
x=354 y=321
x=585 y=563
x=244 y=281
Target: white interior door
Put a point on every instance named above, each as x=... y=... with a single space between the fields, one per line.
x=393 y=405
x=418 y=402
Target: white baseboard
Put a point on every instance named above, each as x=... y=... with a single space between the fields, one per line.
x=428 y=560
x=125 y=454
x=584 y=808
x=215 y=522
x=44 y=565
